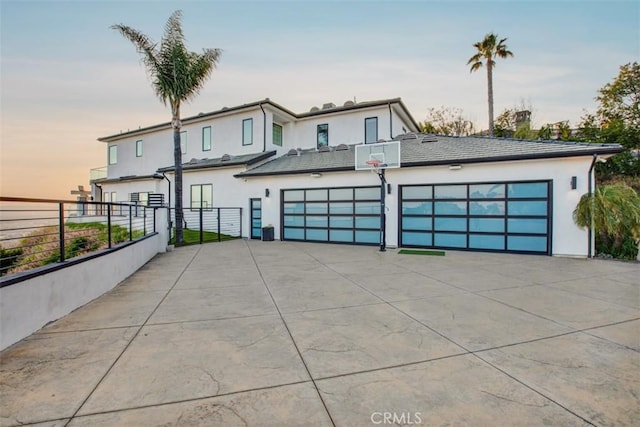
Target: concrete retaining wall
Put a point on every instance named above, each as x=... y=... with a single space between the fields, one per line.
x=27 y=306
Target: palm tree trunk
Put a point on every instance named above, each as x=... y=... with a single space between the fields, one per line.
x=490 y=95
x=177 y=160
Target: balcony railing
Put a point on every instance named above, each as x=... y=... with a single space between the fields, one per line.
x=97 y=173
x=38 y=232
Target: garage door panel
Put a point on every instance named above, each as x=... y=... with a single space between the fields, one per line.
x=500 y=216
x=319 y=234
x=483 y=241
x=410 y=238
x=487 y=224
x=417 y=208
x=340 y=215
x=415 y=223
x=450 y=240
x=527 y=243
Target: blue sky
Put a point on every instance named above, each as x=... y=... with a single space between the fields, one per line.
x=67 y=79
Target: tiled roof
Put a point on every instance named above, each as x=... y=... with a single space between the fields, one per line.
x=224 y=161
x=436 y=150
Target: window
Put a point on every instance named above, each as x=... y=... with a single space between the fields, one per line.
x=206 y=138
x=323 y=135
x=202 y=196
x=114 y=197
x=247 y=132
x=139 y=148
x=277 y=135
x=183 y=142
x=113 y=154
x=370 y=130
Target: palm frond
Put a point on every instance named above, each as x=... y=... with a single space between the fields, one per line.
x=144 y=46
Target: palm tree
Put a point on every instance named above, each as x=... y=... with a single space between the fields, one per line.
x=487 y=50
x=612 y=211
x=177 y=75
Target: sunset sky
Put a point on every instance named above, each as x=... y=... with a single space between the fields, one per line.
x=67 y=78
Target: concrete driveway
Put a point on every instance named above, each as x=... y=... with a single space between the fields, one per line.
x=272 y=333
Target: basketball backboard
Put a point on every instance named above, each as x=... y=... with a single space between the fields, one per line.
x=382 y=155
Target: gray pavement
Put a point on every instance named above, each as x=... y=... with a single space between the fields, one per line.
x=274 y=333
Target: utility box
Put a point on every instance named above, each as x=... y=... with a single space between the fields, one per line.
x=267 y=234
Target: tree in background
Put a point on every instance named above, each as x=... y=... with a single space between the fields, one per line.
x=617 y=120
x=487 y=50
x=446 y=121
x=177 y=75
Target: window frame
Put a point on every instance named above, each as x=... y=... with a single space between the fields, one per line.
x=318 y=133
x=183 y=142
x=191 y=201
x=247 y=133
x=139 y=148
x=366 y=120
x=204 y=140
x=273 y=127
x=112 y=155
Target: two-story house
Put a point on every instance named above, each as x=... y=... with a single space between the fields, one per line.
x=295 y=171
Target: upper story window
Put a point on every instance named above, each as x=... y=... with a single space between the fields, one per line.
x=183 y=141
x=370 y=130
x=139 y=148
x=323 y=135
x=113 y=154
x=247 y=132
x=277 y=135
x=201 y=196
x=206 y=138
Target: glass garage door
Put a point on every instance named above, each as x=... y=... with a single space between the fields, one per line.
x=336 y=215
x=503 y=216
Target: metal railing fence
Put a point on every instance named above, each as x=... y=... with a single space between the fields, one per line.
x=202 y=225
x=37 y=232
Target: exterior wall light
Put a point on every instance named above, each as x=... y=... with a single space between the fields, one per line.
x=266 y=192
x=388 y=188
x=574 y=182
x=455 y=167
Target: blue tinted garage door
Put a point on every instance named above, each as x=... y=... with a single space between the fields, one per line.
x=336 y=215
x=498 y=216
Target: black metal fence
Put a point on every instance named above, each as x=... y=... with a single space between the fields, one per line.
x=37 y=232
x=202 y=225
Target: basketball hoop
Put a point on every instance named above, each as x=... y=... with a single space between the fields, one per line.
x=375 y=164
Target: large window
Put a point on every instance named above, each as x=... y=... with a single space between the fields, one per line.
x=277 y=135
x=201 y=196
x=247 y=132
x=323 y=135
x=113 y=154
x=206 y=138
x=183 y=141
x=370 y=130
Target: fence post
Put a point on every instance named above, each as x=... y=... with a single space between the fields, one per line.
x=61 y=226
x=240 y=214
x=109 y=224
x=144 y=220
x=131 y=224
x=219 y=236
x=201 y=228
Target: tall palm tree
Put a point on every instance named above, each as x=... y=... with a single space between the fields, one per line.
x=487 y=50
x=177 y=75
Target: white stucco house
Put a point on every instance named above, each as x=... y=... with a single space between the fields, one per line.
x=295 y=171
